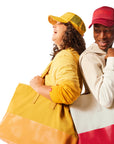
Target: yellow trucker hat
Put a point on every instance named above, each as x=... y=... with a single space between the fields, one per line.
x=74 y=19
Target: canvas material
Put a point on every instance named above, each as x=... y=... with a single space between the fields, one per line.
x=93 y=121
x=42 y=120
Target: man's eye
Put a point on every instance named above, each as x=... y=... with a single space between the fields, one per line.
x=97 y=31
x=107 y=31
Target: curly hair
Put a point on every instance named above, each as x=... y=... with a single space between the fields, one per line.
x=72 y=38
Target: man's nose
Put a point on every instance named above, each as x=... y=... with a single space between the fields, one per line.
x=102 y=35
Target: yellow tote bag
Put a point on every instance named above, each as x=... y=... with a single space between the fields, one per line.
x=33 y=119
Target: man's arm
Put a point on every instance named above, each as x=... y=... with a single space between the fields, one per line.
x=100 y=83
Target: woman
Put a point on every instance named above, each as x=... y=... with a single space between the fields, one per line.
x=58 y=87
x=63 y=83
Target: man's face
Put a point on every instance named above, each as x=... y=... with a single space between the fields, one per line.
x=104 y=36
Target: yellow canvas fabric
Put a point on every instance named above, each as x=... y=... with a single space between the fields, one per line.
x=26 y=121
x=22 y=105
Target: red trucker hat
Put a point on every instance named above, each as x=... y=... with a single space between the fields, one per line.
x=103 y=15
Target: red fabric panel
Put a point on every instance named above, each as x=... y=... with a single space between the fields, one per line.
x=98 y=136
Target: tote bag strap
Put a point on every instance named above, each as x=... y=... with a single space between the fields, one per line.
x=43 y=76
x=46 y=70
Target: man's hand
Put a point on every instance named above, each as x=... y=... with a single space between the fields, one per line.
x=110 y=52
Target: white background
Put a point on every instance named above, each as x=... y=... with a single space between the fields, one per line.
x=25 y=38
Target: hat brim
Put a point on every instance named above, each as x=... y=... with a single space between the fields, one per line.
x=104 y=22
x=54 y=19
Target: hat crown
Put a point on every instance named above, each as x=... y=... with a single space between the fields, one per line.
x=104 y=12
x=76 y=21
x=104 y=16
x=67 y=16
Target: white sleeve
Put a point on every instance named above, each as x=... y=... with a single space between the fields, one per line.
x=107 y=87
x=99 y=81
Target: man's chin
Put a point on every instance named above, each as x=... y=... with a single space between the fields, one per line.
x=104 y=48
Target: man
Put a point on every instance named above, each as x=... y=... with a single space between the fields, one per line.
x=97 y=61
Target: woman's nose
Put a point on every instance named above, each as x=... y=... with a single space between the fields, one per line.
x=54 y=25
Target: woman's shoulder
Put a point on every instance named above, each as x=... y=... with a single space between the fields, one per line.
x=70 y=53
x=66 y=57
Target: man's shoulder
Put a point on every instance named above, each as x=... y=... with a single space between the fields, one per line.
x=93 y=49
x=89 y=50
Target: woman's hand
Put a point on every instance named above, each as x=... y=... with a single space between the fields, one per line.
x=36 y=83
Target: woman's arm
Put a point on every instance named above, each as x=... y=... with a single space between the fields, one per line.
x=68 y=80
x=65 y=71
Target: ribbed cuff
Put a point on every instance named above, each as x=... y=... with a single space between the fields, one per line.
x=110 y=63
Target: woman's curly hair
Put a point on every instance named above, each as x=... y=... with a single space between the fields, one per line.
x=72 y=38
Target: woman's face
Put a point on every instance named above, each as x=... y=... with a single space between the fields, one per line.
x=58 y=32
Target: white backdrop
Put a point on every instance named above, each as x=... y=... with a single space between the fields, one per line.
x=25 y=38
